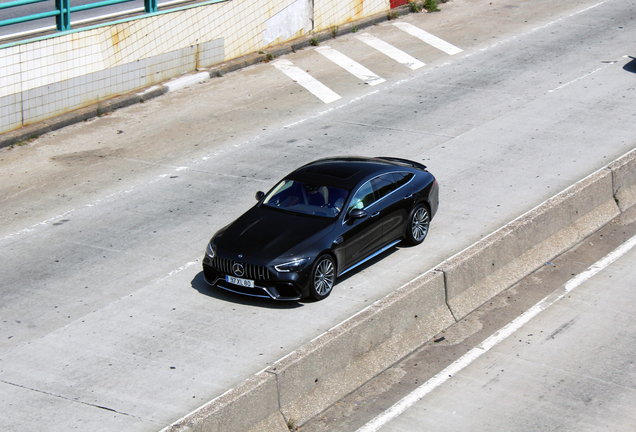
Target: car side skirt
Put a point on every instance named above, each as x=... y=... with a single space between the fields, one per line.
x=373 y=255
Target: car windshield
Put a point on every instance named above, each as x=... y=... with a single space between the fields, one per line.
x=305 y=198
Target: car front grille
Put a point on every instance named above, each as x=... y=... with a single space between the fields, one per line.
x=252 y=271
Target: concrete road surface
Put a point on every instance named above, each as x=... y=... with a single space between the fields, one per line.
x=105 y=321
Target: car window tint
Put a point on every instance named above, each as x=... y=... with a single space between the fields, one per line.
x=384 y=184
x=336 y=199
x=402 y=178
x=300 y=197
x=282 y=191
x=364 y=197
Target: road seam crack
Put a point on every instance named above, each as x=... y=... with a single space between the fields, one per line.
x=69 y=399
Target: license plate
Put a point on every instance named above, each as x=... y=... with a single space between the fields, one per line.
x=238 y=281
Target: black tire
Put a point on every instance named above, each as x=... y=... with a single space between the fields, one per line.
x=323 y=277
x=419 y=222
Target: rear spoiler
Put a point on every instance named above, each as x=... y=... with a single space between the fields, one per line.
x=404 y=162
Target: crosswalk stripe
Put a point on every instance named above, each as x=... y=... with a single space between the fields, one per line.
x=350 y=66
x=428 y=38
x=317 y=88
x=391 y=51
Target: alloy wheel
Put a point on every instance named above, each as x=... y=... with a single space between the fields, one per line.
x=419 y=224
x=324 y=277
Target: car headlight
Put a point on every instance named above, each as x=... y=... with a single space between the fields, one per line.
x=295 y=265
x=209 y=251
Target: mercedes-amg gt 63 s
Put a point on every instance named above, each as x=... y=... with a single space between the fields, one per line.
x=318 y=223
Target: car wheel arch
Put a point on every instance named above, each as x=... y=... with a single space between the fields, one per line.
x=333 y=256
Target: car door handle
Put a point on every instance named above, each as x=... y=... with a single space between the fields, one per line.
x=375 y=214
x=408 y=196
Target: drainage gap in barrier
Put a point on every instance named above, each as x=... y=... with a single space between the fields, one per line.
x=280 y=407
x=615 y=195
x=446 y=295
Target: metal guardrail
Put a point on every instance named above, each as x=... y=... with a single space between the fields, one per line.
x=63 y=10
x=166 y=8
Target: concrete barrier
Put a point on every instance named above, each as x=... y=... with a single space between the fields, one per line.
x=624 y=180
x=309 y=380
x=238 y=409
x=347 y=356
x=495 y=263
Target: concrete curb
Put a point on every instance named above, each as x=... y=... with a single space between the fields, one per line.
x=33 y=131
x=30 y=132
x=309 y=380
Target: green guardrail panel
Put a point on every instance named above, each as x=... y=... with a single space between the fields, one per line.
x=63 y=21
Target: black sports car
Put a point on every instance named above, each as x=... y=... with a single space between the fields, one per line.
x=318 y=223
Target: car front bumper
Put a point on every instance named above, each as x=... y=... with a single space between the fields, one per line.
x=267 y=283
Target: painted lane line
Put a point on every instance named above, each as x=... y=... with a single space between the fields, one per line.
x=327 y=111
x=350 y=66
x=578 y=79
x=180 y=269
x=494 y=340
x=37 y=225
x=433 y=41
x=317 y=88
x=391 y=51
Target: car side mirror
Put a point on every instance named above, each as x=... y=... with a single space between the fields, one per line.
x=357 y=214
x=259 y=195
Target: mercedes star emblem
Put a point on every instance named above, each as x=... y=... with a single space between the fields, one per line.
x=238 y=269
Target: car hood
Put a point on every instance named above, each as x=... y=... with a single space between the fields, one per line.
x=272 y=233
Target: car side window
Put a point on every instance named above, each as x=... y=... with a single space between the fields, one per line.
x=402 y=178
x=364 y=197
x=384 y=184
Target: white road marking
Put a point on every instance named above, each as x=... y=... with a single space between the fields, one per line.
x=579 y=78
x=536 y=29
x=179 y=270
x=434 y=41
x=350 y=66
x=317 y=88
x=391 y=51
x=39 y=224
x=327 y=111
x=493 y=340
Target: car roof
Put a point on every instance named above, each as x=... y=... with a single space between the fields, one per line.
x=346 y=172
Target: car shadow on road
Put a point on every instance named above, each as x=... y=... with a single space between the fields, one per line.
x=631 y=66
x=199 y=284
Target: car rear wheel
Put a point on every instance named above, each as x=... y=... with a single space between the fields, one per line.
x=323 y=277
x=418 y=225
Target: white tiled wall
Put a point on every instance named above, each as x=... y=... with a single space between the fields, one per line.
x=328 y=13
x=45 y=78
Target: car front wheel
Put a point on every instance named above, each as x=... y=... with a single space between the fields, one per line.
x=323 y=277
x=418 y=225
